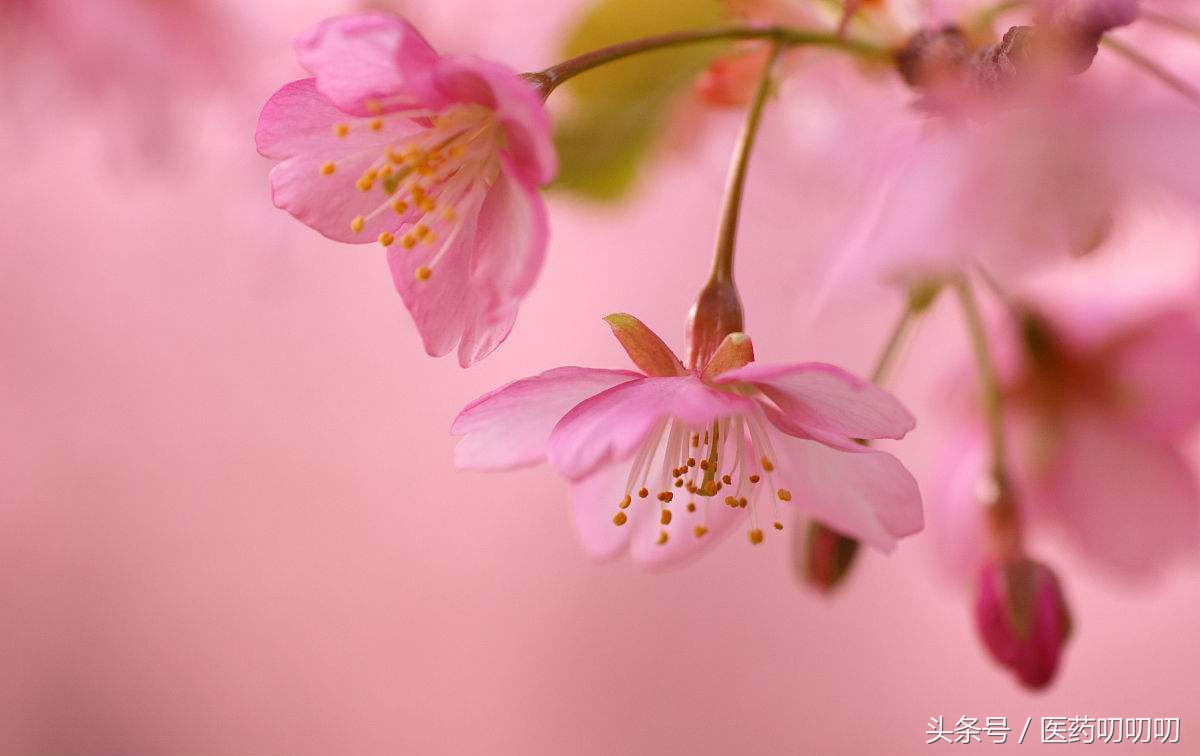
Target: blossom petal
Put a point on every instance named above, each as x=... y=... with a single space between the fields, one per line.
x=1132 y=504
x=508 y=427
x=611 y=425
x=369 y=57
x=296 y=127
x=651 y=355
x=1158 y=374
x=594 y=502
x=826 y=398
x=528 y=131
x=682 y=544
x=869 y=495
x=510 y=248
x=440 y=305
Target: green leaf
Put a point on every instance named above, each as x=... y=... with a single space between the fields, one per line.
x=618 y=111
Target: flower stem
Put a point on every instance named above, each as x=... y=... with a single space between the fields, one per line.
x=1151 y=67
x=548 y=79
x=1003 y=518
x=736 y=183
x=989 y=381
x=891 y=348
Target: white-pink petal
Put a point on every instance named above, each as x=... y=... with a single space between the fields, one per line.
x=508 y=428
x=611 y=425
x=823 y=397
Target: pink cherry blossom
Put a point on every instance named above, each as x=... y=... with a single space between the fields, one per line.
x=1097 y=409
x=664 y=461
x=439 y=159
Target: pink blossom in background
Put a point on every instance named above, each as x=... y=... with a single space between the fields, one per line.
x=706 y=444
x=128 y=67
x=457 y=148
x=1099 y=405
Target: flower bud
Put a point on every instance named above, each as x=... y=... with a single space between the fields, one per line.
x=716 y=314
x=1022 y=618
x=825 y=557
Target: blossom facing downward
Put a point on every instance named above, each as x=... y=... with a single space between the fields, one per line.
x=1098 y=408
x=438 y=159
x=1022 y=617
x=664 y=461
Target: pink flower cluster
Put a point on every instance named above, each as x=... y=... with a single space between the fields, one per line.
x=1011 y=149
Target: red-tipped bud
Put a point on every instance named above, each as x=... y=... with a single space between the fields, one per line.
x=825 y=557
x=1022 y=618
x=716 y=314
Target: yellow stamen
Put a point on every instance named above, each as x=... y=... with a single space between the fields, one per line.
x=643 y=493
x=619 y=519
x=356 y=225
x=665 y=517
x=377 y=124
x=666 y=496
x=386 y=239
x=779 y=526
x=400 y=206
x=691 y=507
x=662 y=537
x=625 y=501
x=423 y=273
x=328 y=168
x=699 y=531
x=408 y=241
x=341 y=129
x=766 y=465
x=785 y=495
x=756 y=536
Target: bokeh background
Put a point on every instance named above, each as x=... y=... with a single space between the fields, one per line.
x=229 y=520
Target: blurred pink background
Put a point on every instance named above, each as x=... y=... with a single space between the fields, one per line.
x=229 y=521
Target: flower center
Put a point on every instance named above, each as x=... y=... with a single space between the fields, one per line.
x=431 y=179
x=731 y=457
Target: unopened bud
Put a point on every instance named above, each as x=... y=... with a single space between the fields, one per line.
x=1022 y=618
x=716 y=314
x=824 y=556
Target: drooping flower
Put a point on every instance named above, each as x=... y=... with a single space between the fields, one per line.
x=437 y=158
x=1097 y=408
x=664 y=461
x=1022 y=618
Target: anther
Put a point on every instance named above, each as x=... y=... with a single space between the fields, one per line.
x=421 y=231
x=726 y=480
x=699 y=531
x=625 y=501
x=785 y=495
x=423 y=273
x=364 y=184
x=731 y=501
x=756 y=536
x=691 y=507
x=408 y=241
x=619 y=519
x=691 y=462
x=662 y=537
x=400 y=206
x=743 y=503
x=666 y=496
x=386 y=239
x=328 y=168
x=377 y=124
x=643 y=493
x=766 y=465
x=779 y=526
x=341 y=129
x=754 y=478
x=356 y=225
x=665 y=517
